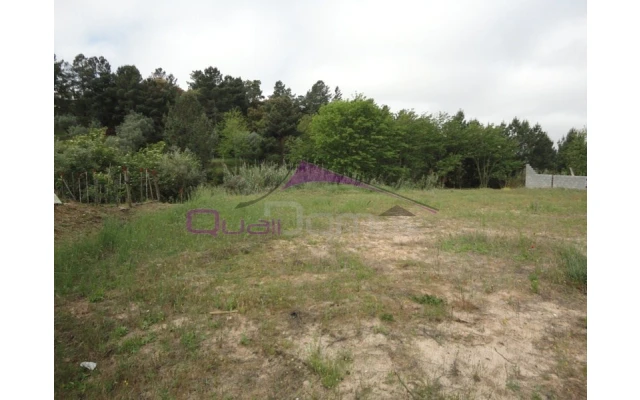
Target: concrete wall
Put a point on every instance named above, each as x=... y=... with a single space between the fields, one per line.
x=535 y=180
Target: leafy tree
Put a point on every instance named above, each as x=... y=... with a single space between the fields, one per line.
x=356 y=138
x=451 y=168
x=493 y=153
x=301 y=147
x=134 y=132
x=534 y=145
x=187 y=127
x=420 y=144
x=572 y=152
x=236 y=141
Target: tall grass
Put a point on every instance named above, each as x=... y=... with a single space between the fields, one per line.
x=249 y=179
x=574 y=266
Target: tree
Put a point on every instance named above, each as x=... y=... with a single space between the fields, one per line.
x=355 y=138
x=534 y=146
x=492 y=152
x=219 y=94
x=319 y=95
x=420 y=144
x=236 y=141
x=158 y=92
x=128 y=91
x=451 y=167
x=337 y=94
x=187 y=127
x=301 y=148
x=62 y=87
x=253 y=93
x=94 y=86
x=280 y=90
x=134 y=132
x=572 y=152
x=280 y=122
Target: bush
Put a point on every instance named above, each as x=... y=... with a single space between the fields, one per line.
x=62 y=123
x=179 y=173
x=134 y=132
x=253 y=179
x=84 y=153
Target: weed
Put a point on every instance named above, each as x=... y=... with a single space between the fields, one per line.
x=151 y=318
x=386 y=317
x=330 y=371
x=190 y=341
x=428 y=299
x=434 y=307
x=381 y=329
x=244 y=340
x=120 y=331
x=533 y=278
x=131 y=346
x=96 y=296
x=513 y=385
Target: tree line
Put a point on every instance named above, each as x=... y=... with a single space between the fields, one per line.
x=225 y=117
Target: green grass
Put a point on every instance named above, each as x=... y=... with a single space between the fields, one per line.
x=386 y=317
x=519 y=248
x=331 y=371
x=134 y=344
x=534 y=280
x=428 y=299
x=434 y=308
x=574 y=266
x=190 y=340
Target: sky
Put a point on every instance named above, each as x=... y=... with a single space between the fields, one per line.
x=494 y=59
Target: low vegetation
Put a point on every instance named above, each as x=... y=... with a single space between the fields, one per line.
x=430 y=306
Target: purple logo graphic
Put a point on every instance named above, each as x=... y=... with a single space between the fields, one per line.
x=307 y=172
x=263 y=228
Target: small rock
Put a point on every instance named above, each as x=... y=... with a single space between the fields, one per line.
x=88 y=365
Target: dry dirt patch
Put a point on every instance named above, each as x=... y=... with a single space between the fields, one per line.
x=500 y=340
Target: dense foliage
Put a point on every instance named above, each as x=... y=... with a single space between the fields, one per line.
x=106 y=120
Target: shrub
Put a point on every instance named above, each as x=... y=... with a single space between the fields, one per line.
x=179 y=173
x=254 y=178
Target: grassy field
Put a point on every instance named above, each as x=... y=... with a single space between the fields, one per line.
x=485 y=299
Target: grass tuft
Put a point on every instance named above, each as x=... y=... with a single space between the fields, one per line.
x=573 y=265
x=330 y=371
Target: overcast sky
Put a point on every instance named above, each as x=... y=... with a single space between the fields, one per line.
x=495 y=59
